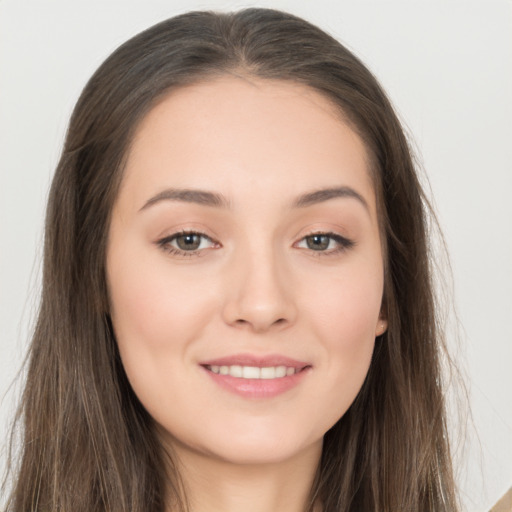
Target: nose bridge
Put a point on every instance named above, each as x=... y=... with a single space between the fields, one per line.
x=259 y=294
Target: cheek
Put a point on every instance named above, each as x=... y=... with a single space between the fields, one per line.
x=346 y=307
x=156 y=315
x=344 y=314
x=150 y=305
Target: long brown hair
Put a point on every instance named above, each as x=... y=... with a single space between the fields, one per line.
x=88 y=444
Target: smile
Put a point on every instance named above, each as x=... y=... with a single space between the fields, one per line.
x=253 y=372
x=257 y=377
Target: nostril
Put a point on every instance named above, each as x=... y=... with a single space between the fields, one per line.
x=260 y=326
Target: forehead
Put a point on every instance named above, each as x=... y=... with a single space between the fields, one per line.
x=230 y=130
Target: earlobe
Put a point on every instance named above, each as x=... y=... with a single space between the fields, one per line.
x=381 y=327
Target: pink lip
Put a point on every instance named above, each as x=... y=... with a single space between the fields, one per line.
x=257 y=361
x=257 y=388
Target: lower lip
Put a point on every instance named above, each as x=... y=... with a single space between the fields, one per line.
x=258 y=388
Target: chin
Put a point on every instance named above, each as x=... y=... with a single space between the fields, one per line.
x=251 y=446
x=263 y=453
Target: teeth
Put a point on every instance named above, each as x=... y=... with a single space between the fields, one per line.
x=269 y=373
x=281 y=371
x=253 y=372
x=235 y=371
x=250 y=372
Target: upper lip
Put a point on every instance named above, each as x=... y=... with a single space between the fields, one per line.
x=257 y=361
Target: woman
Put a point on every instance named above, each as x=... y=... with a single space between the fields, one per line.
x=237 y=309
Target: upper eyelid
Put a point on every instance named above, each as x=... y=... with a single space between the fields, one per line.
x=192 y=231
x=336 y=236
x=164 y=243
x=347 y=242
x=328 y=233
x=182 y=232
x=176 y=234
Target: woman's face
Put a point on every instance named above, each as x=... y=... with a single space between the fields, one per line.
x=245 y=268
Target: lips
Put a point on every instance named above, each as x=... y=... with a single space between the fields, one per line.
x=257 y=361
x=255 y=376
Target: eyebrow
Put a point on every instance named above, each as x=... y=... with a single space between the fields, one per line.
x=206 y=198
x=202 y=197
x=325 y=194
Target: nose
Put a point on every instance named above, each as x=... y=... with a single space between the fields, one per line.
x=259 y=294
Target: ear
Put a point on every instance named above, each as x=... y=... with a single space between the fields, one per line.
x=382 y=325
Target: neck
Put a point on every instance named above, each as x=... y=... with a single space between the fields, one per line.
x=215 y=485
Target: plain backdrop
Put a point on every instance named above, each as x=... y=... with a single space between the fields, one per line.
x=447 y=66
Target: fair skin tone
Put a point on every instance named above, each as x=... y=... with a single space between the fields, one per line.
x=245 y=313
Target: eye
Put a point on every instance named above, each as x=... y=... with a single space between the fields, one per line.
x=186 y=243
x=325 y=242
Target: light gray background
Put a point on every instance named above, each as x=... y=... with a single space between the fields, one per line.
x=447 y=66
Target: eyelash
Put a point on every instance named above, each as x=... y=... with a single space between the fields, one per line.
x=343 y=244
x=165 y=244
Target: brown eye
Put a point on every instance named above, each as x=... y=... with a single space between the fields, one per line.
x=188 y=241
x=326 y=243
x=318 y=242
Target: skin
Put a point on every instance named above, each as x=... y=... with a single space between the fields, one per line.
x=254 y=286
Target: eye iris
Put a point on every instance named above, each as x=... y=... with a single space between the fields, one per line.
x=188 y=241
x=318 y=242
